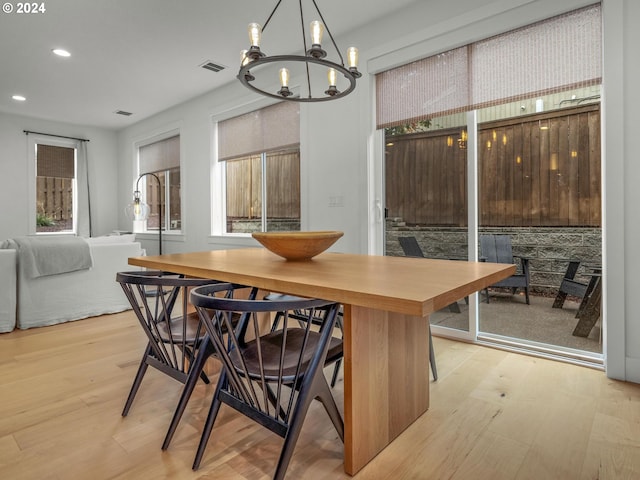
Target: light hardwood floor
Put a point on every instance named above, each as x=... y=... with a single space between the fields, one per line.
x=494 y=415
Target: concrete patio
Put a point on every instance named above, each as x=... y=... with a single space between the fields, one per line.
x=510 y=316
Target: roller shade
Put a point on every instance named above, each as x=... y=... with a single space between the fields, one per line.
x=557 y=54
x=267 y=129
x=56 y=162
x=160 y=156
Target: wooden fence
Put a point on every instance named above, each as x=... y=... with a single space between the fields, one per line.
x=244 y=187
x=55 y=198
x=536 y=170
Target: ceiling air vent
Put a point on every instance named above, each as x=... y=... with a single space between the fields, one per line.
x=122 y=112
x=214 y=67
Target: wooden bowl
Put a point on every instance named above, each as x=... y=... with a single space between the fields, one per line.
x=297 y=245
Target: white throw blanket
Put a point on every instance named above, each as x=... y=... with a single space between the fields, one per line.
x=42 y=256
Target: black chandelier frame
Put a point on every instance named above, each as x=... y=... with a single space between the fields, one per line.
x=315 y=55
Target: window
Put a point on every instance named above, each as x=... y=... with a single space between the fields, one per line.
x=261 y=155
x=160 y=161
x=263 y=192
x=56 y=189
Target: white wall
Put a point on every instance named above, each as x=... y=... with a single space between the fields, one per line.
x=623 y=227
x=102 y=151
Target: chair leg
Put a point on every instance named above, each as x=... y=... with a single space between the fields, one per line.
x=454 y=307
x=329 y=403
x=208 y=425
x=189 y=353
x=197 y=371
x=297 y=419
x=336 y=370
x=142 y=369
x=432 y=357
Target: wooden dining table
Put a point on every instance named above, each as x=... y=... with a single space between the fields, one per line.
x=387 y=301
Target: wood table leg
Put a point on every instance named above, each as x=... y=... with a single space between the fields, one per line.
x=386 y=379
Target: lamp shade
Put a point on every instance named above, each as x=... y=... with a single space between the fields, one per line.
x=137 y=211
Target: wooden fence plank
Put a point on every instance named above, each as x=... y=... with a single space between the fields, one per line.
x=537 y=170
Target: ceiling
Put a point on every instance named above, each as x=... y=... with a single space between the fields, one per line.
x=144 y=56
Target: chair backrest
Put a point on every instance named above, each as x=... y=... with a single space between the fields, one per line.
x=270 y=376
x=410 y=247
x=496 y=248
x=160 y=301
x=277 y=358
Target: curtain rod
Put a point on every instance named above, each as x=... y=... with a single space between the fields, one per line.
x=59 y=136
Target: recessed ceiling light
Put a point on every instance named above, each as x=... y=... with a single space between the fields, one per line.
x=61 y=52
x=19 y=98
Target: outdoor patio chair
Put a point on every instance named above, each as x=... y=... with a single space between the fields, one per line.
x=411 y=248
x=497 y=249
x=570 y=286
x=272 y=377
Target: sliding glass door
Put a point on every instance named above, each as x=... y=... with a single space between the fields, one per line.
x=426 y=197
x=539 y=193
x=493 y=153
x=530 y=183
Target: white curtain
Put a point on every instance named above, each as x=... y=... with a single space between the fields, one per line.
x=84 y=197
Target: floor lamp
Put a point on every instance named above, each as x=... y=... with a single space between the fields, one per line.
x=139 y=211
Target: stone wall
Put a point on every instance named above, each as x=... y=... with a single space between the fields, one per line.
x=548 y=248
x=249 y=226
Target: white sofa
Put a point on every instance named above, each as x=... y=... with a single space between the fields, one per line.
x=8 y=290
x=48 y=300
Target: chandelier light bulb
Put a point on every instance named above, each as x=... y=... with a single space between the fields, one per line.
x=332 y=75
x=255 y=33
x=317 y=29
x=284 y=77
x=352 y=57
x=284 y=91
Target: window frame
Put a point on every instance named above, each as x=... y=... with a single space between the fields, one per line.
x=164 y=176
x=264 y=191
x=218 y=193
x=33 y=141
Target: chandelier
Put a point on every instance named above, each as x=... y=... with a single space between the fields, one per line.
x=325 y=79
